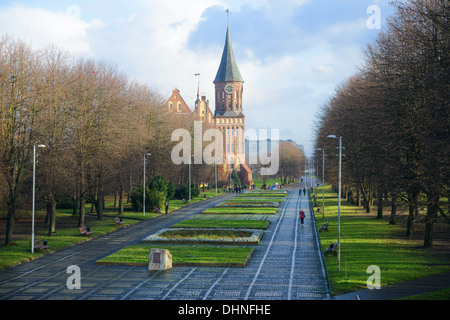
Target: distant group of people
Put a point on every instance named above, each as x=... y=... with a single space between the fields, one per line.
x=266 y=187
x=158 y=210
x=235 y=189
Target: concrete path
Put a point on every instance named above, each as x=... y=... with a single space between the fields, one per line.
x=286 y=265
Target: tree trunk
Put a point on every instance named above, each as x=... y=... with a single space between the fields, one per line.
x=380 y=205
x=99 y=206
x=75 y=200
x=393 y=217
x=432 y=210
x=367 y=204
x=51 y=213
x=13 y=181
x=10 y=223
x=411 y=216
x=350 y=196
x=121 y=195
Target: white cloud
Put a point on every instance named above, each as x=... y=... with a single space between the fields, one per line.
x=149 y=41
x=43 y=27
x=151 y=45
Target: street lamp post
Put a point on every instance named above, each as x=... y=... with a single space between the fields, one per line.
x=34 y=194
x=231 y=170
x=323 y=182
x=143 y=186
x=215 y=172
x=190 y=160
x=339 y=201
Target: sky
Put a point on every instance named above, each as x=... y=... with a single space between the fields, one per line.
x=292 y=54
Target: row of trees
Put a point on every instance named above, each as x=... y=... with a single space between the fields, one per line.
x=393 y=117
x=96 y=124
x=290 y=163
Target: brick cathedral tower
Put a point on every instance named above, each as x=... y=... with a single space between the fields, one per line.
x=229 y=116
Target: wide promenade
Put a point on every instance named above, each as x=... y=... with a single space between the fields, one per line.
x=286 y=265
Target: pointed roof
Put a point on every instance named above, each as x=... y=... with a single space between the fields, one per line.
x=228 y=69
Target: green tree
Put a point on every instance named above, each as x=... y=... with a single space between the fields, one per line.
x=235 y=178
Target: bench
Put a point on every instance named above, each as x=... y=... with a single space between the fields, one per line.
x=324 y=227
x=332 y=249
x=39 y=246
x=118 y=221
x=84 y=231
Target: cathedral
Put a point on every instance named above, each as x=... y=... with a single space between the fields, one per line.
x=228 y=115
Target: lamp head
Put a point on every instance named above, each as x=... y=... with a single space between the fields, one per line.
x=332 y=136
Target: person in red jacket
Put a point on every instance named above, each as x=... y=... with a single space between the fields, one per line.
x=302 y=216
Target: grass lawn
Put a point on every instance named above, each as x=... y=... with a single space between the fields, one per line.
x=254 y=200
x=183 y=255
x=200 y=223
x=20 y=251
x=176 y=204
x=438 y=295
x=239 y=210
x=249 y=205
x=205 y=234
x=265 y=194
x=110 y=211
x=67 y=233
x=366 y=241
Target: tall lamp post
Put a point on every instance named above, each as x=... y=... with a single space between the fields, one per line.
x=339 y=201
x=323 y=182
x=34 y=194
x=190 y=160
x=215 y=171
x=143 y=186
x=231 y=170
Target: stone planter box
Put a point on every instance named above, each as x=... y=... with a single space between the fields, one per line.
x=253 y=239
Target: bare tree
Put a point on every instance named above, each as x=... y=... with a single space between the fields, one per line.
x=393 y=115
x=19 y=107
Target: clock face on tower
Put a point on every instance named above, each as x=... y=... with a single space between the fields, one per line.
x=229 y=89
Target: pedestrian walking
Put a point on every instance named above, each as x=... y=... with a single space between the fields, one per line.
x=304 y=191
x=302 y=216
x=300 y=192
x=167 y=207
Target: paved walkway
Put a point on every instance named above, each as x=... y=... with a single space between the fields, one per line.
x=286 y=265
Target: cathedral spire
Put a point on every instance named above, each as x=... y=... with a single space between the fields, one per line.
x=198 y=89
x=228 y=69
